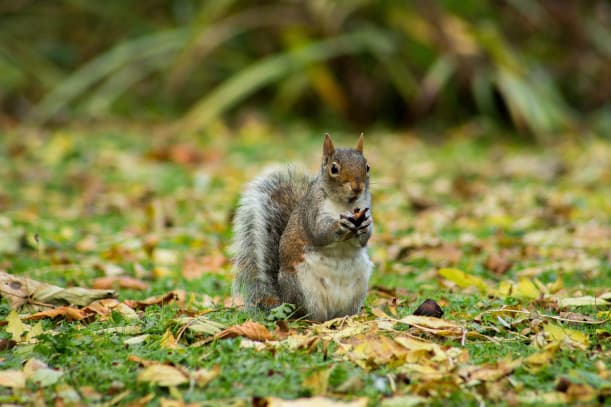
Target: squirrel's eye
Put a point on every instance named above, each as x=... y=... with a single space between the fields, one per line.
x=334 y=169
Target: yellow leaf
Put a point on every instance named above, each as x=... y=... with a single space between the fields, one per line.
x=505 y=289
x=462 y=279
x=558 y=333
x=34 y=332
x=318 y=382
x=15 y=327
x=162 y=375
x=539 y=360
x=168 y=341
x=526 y=289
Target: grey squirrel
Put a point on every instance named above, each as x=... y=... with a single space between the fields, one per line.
x=303 y=240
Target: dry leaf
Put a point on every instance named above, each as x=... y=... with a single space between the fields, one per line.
x=70 y=313
x=195 y=268
x=603 y=300
x=560 y=334
x=462 y=279
x=162 y=375
x=313 y=401
x=15 y=327
x=489 y=372
x=372 y=350
x=204 y=376
x=168 y=341
x=175 y=295
x=251 y=330
x=432 y=325
x=318 y=382
x=23 y=290
x=12 y=378
x=119 y=282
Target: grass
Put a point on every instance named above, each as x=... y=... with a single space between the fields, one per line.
x=97 y=198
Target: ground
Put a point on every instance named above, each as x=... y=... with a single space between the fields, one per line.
x=513 y=241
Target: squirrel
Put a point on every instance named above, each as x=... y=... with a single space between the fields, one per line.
x=303 y=240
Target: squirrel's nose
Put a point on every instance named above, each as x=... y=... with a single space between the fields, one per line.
x=357 y=187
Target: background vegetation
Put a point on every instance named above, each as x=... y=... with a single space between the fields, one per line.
x=542 y=68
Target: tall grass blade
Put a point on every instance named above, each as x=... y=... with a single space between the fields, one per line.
x=128 y=52
x=272 y=68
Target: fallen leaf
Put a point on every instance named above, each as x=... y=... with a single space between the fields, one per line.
x=22 y=290
x=200 y=325
x=539 y=360
x=162 y=375
x=489 y=372
x=175 y=295
x=12 y=378
x=372 y=350
x=603 y=300
x=136 y=340
x=526 y=289
x=313 y=401
x=432 y=325
x=462 y=279
x=404 y=401
x=318 y=382
x=204 y=376
x=499 y=263
x=560 y=334
x=251 y=330
x=38 y=372
x=168 y=341
x=195 y=267
x=70 y=313
x=119 y=282
x=15 y=327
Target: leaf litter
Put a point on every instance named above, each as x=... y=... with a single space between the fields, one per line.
x=520 y=267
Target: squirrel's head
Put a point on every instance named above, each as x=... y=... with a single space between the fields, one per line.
x=344 y=170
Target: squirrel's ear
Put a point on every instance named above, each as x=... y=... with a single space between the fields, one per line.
x=327 y=146
x=359 y=144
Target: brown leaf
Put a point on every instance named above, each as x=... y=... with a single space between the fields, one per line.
x=140 y=361
x=69 y=313
x=175 y=295
x=499 y=263
x=195 y=268
x=119 y=282
x=249 y=329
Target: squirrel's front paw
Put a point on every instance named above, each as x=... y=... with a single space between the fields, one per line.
x=346 y=228
x=364 y=226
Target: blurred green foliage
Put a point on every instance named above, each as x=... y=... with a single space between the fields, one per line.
x=541 y=67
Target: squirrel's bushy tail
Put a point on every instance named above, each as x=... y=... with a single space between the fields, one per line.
x=261 y=217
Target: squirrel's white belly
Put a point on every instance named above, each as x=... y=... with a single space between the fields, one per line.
x=334 y=283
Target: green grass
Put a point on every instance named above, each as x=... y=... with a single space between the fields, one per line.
x=101 y=185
